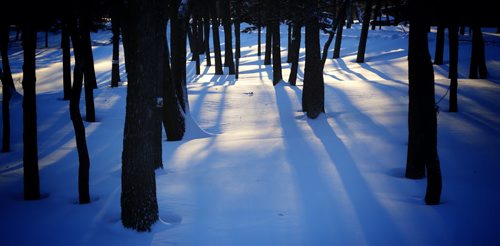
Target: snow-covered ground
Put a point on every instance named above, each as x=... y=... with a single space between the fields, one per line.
x=268 y=175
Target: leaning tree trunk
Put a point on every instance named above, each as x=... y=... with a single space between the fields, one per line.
x=115 y=67
x=142 y=28
x=438 y=54
x=453 y=40
x=364 y=32
x=313 y=96
x=422 y=119
x=275 y=29
x=338 y=16
x=76 y=118
x=228 y=37
x=178 y=29
x=30 y=153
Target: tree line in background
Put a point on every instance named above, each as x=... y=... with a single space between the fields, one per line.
x=156 y=70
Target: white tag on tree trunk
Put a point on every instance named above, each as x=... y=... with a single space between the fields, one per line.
x=159 y=102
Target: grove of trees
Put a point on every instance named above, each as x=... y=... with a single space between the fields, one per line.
x=157 y=95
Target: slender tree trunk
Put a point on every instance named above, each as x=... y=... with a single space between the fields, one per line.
x=422 y=119
x=196 y=43
x=88 y=66
x=335 y=24
x=206 y=29
x=348 y=15
x=30 y=153
x=338 y=38
x=453 y=40
x=142 y=35
x=237 y=30
x=462 y=30
x=216 y=38
x=364 y=32
x=259 y=30
x=275 y=27
x=66 y=57
x=289 y=43
x=269 y=33
x=228 y=38
x=313 y=96
x=76 y=118
x=376 y=13
x=295 y=47
x=438 y=55
x=268 y=49
x=88 y=69
x=115 y=67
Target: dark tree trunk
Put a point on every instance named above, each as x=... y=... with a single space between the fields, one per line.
x=438 y=55
x=76 y=118
x=275 y=29
x=216 y=38
x=289 y=43
x=7 y=95
x=259 y=31
x=7 y=87
x=348 y=15
x=66 y=58
x=206 y=29
x=199 y=44
x=88 y=66
x=338 y=38
x=228 y=38
x=142 y=27
x=376 y=13
x=422 y=119
x=173 y=117
x=237 y=30
x=314 y=89
x=88 y=69
x=4 y=42
x=477 y=63
x=364 y=32
x=189 y=33
x=179 y=26
x=295 y=45
x=115 y=67
x=453 y=40
x=335 y=24
x=196 y=44
x=269 y=33
x=30 y=153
